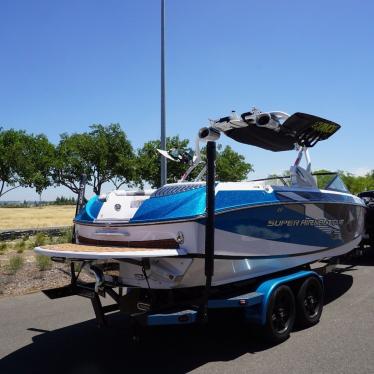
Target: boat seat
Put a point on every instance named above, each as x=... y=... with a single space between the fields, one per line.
x=301 y=177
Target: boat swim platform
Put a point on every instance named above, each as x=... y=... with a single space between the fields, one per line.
x=97 y=252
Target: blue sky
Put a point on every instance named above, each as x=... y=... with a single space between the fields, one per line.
x=67 y=64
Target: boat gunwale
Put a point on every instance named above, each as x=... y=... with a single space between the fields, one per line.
x=196 y=218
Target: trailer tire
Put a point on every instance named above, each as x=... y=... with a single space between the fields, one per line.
x=309 y=302
x=280 y=315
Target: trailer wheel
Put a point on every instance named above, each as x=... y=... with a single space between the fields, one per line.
x=309 y=302
x=280 y=316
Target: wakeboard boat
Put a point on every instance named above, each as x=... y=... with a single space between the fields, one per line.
x=156 y=238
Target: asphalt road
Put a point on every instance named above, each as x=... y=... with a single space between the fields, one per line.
x=38 y=335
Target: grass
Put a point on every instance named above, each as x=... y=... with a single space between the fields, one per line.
x=43 y=262
x=3 y=247
x=20 y=246
x=40 y=239
x=66 y=237
x=46 y=216
x=15 y=263
x=30 y=242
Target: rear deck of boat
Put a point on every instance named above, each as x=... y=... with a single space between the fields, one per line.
x=69 y=247
x=81 y=251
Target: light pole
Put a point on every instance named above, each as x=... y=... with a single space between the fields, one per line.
x=163 y=115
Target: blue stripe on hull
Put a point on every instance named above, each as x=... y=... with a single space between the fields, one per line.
x=234 y=199
x=289 y=224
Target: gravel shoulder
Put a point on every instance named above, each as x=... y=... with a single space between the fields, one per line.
x=22 y=271
x=30 y=279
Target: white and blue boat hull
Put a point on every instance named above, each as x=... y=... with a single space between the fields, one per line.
x=257 y=232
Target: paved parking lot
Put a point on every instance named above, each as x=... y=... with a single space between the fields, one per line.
x=38 y=335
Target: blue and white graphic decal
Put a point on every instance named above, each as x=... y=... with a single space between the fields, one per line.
x=286 y=224
x=231 y=199
x=316 y=196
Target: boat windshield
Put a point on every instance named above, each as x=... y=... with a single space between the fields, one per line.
x=325 y=180
x=337 y=184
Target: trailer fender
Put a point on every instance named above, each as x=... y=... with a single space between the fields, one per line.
x=257 y=313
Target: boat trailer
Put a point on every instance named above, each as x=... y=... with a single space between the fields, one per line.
x=273 y=302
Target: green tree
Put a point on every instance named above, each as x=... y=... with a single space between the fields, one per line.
x=104 y=154
x=323 y=180
x=149 y=161
x=14 y=161
x=25 y=161
x=71 y=161
x=231 y=166
x=370 y=181
x=356 y=184
x=41 y=159
x=111 y=157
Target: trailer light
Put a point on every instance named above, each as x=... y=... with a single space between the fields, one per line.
x=184 y=318
x=242 y=302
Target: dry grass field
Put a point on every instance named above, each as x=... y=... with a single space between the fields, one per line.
x=46 y=216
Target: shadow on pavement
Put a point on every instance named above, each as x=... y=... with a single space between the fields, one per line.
x=367 y=259
x=83 y=348
x=336 y=284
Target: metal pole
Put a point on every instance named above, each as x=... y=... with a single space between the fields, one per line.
x=209 y=223
x=80 y=202
x=80 y=198
x=163 y=116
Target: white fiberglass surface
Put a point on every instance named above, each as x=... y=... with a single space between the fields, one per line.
x=241 y=186
x=120 y=207
x=177 y=273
